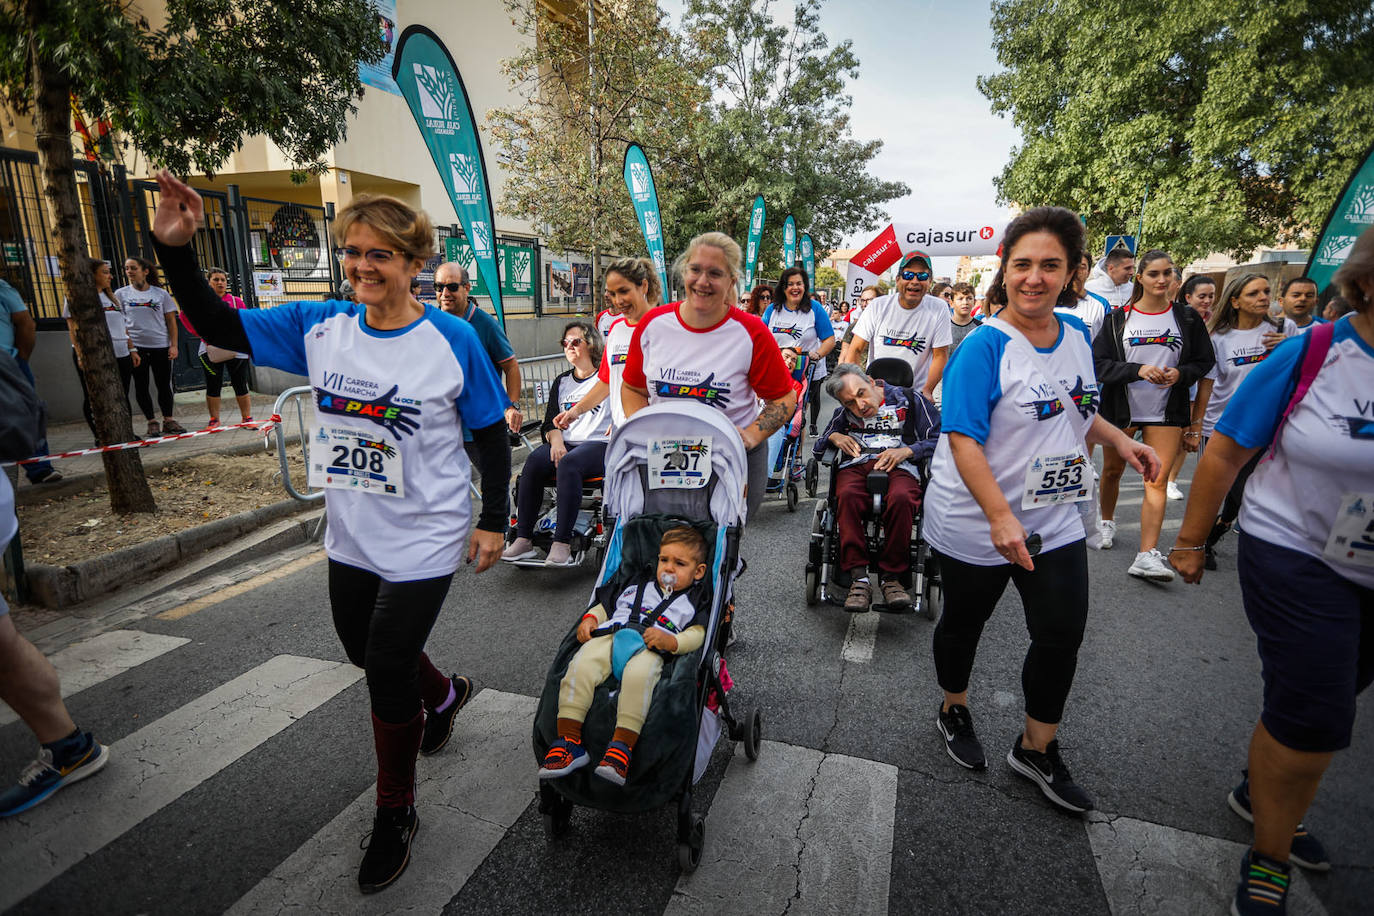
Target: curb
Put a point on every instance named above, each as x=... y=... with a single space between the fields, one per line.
x=58 y=587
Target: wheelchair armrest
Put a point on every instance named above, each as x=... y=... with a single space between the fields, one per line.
x=830 y=456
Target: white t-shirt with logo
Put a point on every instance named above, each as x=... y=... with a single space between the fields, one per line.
x=411 y=389
x=1238 y=352
x=1014 y=411
x=730 y=365
x=1151 y=340
x=1088 y=310
x=604 y=322
x=612 y=370
x=1325 y=451
x=116 y=322
x=593 y=424
x=147 y=310
x=907 y=334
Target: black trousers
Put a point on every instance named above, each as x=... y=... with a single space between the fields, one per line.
x=126 y=372
x=156 y=362
x=1055 y=598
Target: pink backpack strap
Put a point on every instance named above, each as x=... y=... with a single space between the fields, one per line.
x=1318 y=345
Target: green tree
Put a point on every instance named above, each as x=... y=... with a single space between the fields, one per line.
x=778 y=125
x=1242 y=120
x=828 y=278
x=594 y=78
x=185 y=94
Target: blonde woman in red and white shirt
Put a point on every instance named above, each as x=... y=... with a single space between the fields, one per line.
x=704 y=349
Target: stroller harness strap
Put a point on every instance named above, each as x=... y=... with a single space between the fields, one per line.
x=640 y=619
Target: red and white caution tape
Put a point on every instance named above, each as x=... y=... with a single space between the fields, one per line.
x=264 y=426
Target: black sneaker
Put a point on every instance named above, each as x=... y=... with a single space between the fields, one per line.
x=1049 y=773
x=961 y=744
x=1307 y=851
x=439 y=725
x=1263 y=888
x=388 y=848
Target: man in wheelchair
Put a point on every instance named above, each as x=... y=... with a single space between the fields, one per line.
x=884 y=433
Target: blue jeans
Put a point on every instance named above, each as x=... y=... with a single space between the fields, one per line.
x=38 y=470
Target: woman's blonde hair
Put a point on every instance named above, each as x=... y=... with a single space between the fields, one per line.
x=1224 y=312
x=728 y=246
x=637 y=271
x=1359 y=265
x=409 y=229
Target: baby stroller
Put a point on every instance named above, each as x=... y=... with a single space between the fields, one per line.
x=789 y=467
x=658 y=476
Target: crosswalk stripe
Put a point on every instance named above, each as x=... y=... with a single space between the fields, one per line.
x=860 y=637
x=159 y=763
x=100 y=658
x=811 y=826
x=467 y=797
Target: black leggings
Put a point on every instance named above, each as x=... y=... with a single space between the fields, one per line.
x=237 y=370
x=126 y=371
x=1055 y=598
x=154 y=360
x=383 y=627
x=583 y=460
x=813 y=393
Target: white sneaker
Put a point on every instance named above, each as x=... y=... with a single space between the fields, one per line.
x=560 y=554
x=519 y=549
x=1173 y=491
x=1107 y=529
x=1151 y=565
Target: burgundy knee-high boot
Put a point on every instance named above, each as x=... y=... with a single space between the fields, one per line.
x=434 y=685
x=397 y=747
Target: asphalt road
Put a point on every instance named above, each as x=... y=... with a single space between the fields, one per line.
x=237 y=786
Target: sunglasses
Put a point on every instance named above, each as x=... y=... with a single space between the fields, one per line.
x=922 y=275
x=449 y=287
x=573 y=342
x=374 y=256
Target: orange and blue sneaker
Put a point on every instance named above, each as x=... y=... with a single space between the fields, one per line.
x=1263 y=887
x=59 y=764
x=564 y=756
x=615 y=765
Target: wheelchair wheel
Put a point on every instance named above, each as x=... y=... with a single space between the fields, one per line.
x=793 y=496
x=813 y=586
x=934 y=603
x=813 y=474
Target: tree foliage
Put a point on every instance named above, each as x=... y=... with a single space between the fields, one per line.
x=564 y=145
x=777 y=125
x=828 y=277
x=1244 y=120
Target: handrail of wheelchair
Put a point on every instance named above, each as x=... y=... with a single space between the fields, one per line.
x=298 y=395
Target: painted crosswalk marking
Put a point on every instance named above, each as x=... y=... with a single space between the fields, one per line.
x=859 y=638
x=814 y=829
x=468 y=796
x=100 y=658
x=159 y=763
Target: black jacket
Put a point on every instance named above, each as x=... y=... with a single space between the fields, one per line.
x=1195 y=359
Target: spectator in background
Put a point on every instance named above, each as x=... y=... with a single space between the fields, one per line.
x=962 y=321
x=942 y=290
x=453 y=287
x=1199 y=293
x=1298 y=297
x=218 y=362
x=153 y=332
x=1112 y=281
x=1089 y=308
x=759 y=300
x=18 y=335
x=117 y=325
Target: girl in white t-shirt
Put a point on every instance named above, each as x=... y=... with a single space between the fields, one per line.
x=1010 y=468
x=1305 y=564
x=117 y=324
x=153 y=332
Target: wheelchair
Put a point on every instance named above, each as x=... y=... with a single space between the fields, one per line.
x=589 y=531
x=824 y=580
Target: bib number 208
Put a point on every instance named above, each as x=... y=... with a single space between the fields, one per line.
x=362 y=459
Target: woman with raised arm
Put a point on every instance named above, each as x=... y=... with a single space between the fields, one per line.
x=395 y=383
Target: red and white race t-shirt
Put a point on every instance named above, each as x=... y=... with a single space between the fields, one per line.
x=729 y=365
x=612 y=370
x=604 y=322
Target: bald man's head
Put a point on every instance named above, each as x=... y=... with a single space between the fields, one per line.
x=452 y=286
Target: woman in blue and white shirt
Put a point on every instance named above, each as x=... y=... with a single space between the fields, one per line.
x=1306 y=566
x=1001 y=507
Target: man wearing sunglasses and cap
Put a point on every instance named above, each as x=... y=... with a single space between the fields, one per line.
x=908 y=325
x=451 y=287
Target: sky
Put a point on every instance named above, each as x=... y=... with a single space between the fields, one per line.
x=917 y=91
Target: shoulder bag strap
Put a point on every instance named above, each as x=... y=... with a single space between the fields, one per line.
x=1313 y=357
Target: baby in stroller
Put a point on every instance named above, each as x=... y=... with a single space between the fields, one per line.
x=651 y=620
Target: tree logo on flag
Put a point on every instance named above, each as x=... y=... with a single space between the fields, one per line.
x=639 y=181
x=1335 y=250
x=481 y=238
x=437 y=99
x=651 y=227
x=1362 y=206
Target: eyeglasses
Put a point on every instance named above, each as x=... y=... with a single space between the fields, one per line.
x=922 y=275
x=573 y=342
x=375 y=256
x=450 y=287
x=947 y=295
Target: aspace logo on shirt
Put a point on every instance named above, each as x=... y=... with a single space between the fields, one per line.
x=1049 y=405
x=1157 y=339
x=1084 y=398
x=1249 y=357
x=707 y=391
x=387 y=411
x=618 y=359
x=914 y=344
x=793 y=333
x=1355 y=427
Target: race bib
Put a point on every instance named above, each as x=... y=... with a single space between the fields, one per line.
x=1054 y=479
x=1352 y=535
x=881 y=431
x=353 y=459
x=679 y=464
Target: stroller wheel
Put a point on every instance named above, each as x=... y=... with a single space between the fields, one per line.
x=934 y=601
x=792 y=496
x=689 y=848
x=753 y=734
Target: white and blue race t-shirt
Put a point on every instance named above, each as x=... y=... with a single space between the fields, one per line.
x=147 y=311
x=593 y=424
x=1014 y=411
x=1325 y=450
x=803 y=331
x=1303 y=329
x=604 y=322
x=907 y=334
x=1091 y=310
x=1151 y=340
x=730 y=365
x=612 y=370
x=1238 y=352
x=406 y=393
x=116 y=322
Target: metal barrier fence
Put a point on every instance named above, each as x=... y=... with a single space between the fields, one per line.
x=536 y=377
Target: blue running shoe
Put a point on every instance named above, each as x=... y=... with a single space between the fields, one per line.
x=43 y=777
x=563 y=757
x=1306 y=852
